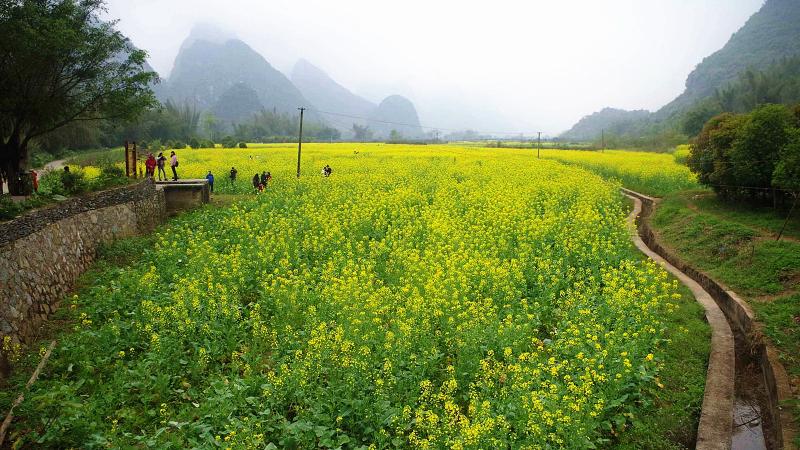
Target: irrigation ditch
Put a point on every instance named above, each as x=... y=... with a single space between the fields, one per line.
x=746 y=385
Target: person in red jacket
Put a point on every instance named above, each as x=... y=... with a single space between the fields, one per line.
x=35 y=180
x=150 y=165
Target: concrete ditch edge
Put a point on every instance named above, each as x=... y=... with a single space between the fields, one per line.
x=741 y=316
x=716 y=417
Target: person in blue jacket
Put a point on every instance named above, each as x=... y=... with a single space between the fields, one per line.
x=210 y=178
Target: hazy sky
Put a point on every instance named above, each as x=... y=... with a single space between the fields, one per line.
x=490 y=65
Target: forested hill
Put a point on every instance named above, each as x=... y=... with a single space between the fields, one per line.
x=765 y=43
x=616 y=121
x=770 y=35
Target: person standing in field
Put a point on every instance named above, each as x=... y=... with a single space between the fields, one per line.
x=233 y=175
x=256 y=181
x=210 y=178
x=161 y=162
x=173 y=163
x=264 y=178
x=150 y=165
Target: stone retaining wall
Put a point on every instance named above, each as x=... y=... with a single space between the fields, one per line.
x=43 y=253
x=741 y=316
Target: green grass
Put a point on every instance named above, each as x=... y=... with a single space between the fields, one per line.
x=736 y=246
x=763 y=218
x=740 y=256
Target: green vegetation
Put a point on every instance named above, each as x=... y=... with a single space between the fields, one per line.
x=736 y=245
x=419 y=296
x=58 y=185
x=753 y=156
x=83 y=69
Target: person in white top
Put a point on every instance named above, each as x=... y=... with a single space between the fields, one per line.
x=173 y=163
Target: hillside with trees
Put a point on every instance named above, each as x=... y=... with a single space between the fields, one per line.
x=759 y=64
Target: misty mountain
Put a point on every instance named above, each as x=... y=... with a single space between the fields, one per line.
x=397 y=110
x=237 y=104
x=613 y=121
x=326 y=94
x=769 y=37
x=204 y=71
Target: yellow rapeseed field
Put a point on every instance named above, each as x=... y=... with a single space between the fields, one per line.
x=420 y=297
x=649 y=173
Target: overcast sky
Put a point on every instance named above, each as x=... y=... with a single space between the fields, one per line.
x=498 y=65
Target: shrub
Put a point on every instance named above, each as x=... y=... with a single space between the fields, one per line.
x=228 y=142
x=154 y=145
x=242 y=145
x=194 y=143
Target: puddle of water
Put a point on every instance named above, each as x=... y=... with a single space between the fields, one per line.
x=748 y=433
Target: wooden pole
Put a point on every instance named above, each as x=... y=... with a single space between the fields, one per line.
x=300 y=141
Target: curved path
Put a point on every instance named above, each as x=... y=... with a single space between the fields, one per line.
x=716 y=418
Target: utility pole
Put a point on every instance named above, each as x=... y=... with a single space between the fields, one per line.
x=300 y=141
x=604 y=141
x=539 y=145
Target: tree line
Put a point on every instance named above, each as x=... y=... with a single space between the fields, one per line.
x=750 y=156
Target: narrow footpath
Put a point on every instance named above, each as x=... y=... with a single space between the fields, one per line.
x=716 y=418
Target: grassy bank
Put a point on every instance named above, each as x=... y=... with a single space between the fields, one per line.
x=736 y=245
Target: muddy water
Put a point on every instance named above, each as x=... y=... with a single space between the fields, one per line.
x=751 y=426
x=748 y=430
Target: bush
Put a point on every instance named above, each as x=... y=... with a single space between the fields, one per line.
x=9 y=208
x=73 y=182
x=208 y=143
x=194 y=143
x=228 y=142
x=154 y=145
x=242 y=145
x=110 y=175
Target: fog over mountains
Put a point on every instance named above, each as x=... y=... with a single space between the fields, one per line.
x=217 y=73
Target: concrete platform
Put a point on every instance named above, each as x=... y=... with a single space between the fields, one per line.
x=185 y=194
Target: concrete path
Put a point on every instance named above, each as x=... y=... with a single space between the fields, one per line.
x=716 y=418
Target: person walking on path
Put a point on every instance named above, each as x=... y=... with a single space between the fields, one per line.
x=35 y=180
x=150 y=166
x=161 y=162
x=210 y=178
x=173 y=163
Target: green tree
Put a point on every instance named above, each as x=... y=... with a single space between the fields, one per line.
x=60 y=63
x=709 y=156
x=756 y=150
x=362 y=132
x=787 y=170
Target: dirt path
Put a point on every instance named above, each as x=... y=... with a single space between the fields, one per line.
x=54 y=165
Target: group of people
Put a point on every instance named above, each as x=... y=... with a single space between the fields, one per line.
x=152 y=162
x=261 y=182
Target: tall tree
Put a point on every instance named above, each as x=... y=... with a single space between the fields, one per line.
x=60 y=63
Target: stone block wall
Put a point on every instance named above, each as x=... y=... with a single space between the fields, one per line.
x=43 y=253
